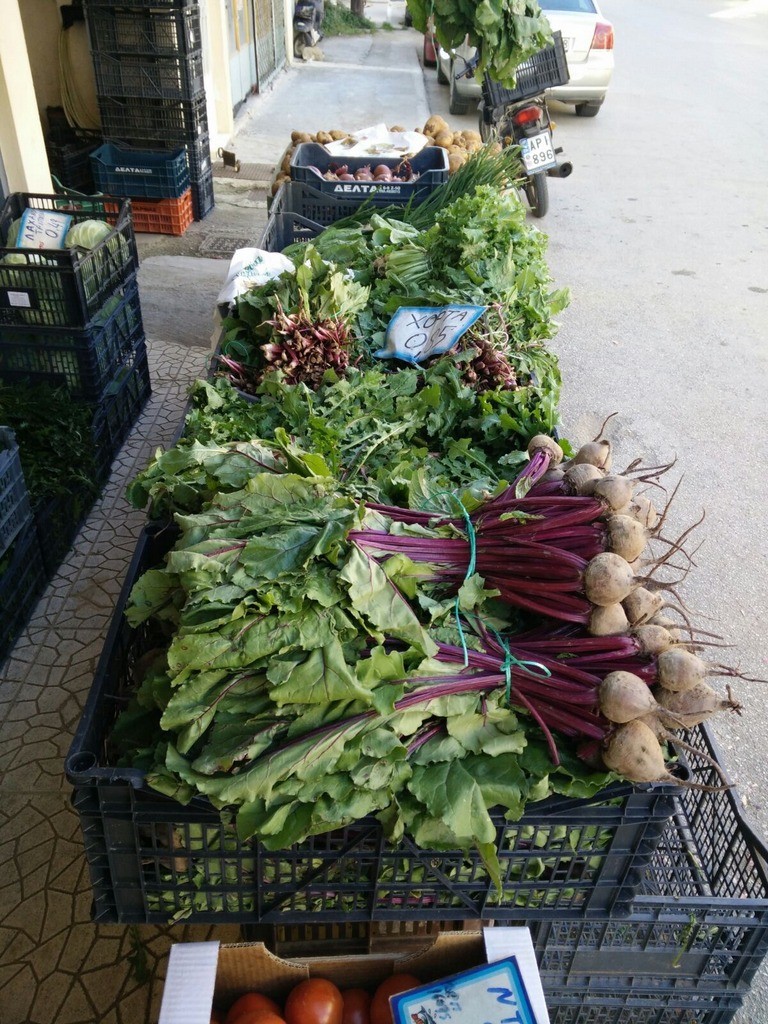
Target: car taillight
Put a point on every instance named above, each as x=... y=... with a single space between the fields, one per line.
x=527 y=115
x=603 y=37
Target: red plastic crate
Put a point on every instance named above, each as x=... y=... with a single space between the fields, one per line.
x=163 y=216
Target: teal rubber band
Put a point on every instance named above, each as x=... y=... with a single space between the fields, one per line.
x=472 y=540
x=510 y=660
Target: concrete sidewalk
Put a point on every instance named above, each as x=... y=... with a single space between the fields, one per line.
x=362 y=80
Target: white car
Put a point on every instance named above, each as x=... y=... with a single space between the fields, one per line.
x=588 y=39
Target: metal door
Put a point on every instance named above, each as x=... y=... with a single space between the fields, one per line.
x=242 y=54
x=270 y=38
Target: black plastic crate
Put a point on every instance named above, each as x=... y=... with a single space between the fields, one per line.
x=202 y=197
x=149 y=78
x=544 y=70
x=152 y=859
x=120 y=407
x=199 y=158
x=22 y=581
x=162 y=122
x=430 y=163
x=85 y=361
x=283 y=229
x=65 y=287
x=58 y=521
x=69 y=156
x=14 y=497
x=140 y=173
x=299 y=197
x=167 y=30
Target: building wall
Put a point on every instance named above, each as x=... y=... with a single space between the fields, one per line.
x=21 y=136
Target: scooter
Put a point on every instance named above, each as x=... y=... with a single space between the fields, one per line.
x=307 y=20
x=522 y=121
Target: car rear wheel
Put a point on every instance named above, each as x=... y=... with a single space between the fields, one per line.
x=588 y=109
x=457 y=104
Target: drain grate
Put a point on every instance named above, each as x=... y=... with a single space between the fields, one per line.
x=223 y=246
x=247 y=172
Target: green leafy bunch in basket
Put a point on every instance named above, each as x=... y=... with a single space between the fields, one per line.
x=506 y=32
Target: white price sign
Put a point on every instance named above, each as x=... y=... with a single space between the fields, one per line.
x=43 y=229
x=416 y=333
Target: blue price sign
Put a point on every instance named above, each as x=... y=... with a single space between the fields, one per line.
x=417 y=332
x=492 y=994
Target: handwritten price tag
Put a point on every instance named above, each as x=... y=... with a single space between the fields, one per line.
x=492 y=994
x=416 y=333
x=43 y=229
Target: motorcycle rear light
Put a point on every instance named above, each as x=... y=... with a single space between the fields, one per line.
x=603 y=37
x=527 y=115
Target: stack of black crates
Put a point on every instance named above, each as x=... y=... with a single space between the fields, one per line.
x=71 y=325
x=148 y=63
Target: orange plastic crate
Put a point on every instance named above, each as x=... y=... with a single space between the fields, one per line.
x=163 y=216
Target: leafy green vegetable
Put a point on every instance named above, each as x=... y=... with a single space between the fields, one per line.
x=506 y=32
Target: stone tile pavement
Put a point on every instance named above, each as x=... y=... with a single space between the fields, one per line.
x=55 y=964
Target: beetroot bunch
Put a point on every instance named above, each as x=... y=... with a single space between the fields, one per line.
x=569 y=544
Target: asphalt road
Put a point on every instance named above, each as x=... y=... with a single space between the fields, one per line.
x=661 y=232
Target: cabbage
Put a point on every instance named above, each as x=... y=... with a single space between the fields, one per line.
x=13 y=233
x=87 y=234
x=22 y=276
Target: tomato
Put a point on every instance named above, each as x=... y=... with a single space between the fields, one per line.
x=314 y=1001
x=380 y=1011
x=258 y=1017
x=357 y=1006
x=249 y=1002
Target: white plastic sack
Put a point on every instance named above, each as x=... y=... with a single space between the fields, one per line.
x=378 y=140
x=251 y=268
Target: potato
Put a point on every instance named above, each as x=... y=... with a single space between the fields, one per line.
x=397 y=128
x=295 y=136
x=303 y=137
x=337 y=134
x=323 y=138
x=444 y=139
x=455 y=161
x=285 y=166
x=435 y=124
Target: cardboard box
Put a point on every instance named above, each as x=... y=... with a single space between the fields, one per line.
x=206 y=975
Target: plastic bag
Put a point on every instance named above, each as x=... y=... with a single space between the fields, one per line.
x=250 y=268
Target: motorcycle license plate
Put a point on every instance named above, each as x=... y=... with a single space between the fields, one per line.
x=538 y=152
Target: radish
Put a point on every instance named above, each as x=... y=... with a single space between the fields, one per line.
x=608 y=579
x=547 y=446
x=626 y=536
x=615 y=491
x=691 y=707
x=595 y=453
x=641 y=605
x=643 y=510
x=634 y=752
x=608 y=620
x=653 y=639
x=679 y=670
x=581 y=475
x=624 y=696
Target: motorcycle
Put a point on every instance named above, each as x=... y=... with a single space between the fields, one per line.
x=307 y=21
x=523 y=121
